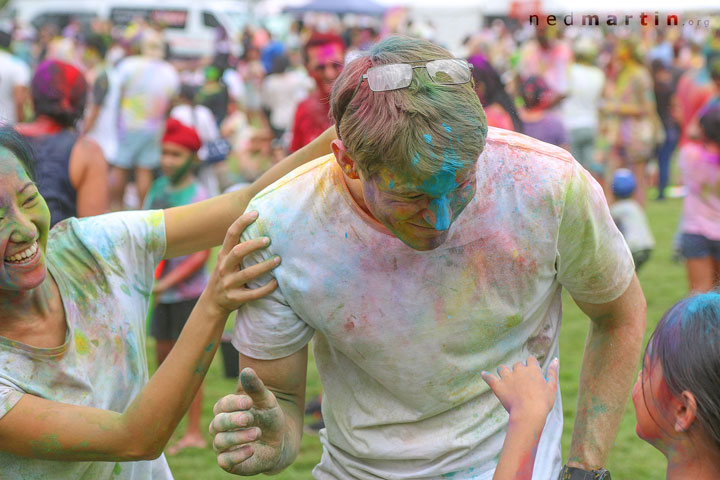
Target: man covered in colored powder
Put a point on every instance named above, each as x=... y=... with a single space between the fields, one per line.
x=426 y=250
x=324 y=58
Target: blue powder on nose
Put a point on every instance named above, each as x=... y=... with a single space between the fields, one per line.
x=428 y=138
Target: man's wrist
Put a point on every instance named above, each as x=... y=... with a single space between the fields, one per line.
x=569 y=472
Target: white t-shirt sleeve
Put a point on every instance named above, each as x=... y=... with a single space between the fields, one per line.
x=10 y=395
x=593 y=260
x=268 y=328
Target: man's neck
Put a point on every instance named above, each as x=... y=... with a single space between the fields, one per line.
x=355 y=189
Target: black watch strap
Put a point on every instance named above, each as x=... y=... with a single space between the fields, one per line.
x=573 y=473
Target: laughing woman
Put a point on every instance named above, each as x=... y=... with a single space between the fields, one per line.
x=74 y=392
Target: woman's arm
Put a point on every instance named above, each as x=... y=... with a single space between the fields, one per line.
x=40 y=428
x=88 y=173
x=202 y=225
x=184 y=270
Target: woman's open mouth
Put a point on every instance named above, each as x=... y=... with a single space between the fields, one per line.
x=24 y=257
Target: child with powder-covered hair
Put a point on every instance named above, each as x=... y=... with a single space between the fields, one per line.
x=675 y=396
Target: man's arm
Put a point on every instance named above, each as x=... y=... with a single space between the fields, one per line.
x=259 y=429
x=612 y=350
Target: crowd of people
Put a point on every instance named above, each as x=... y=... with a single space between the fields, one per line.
x=115 y=123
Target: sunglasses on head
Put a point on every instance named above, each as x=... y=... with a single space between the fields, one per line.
x=394 y=76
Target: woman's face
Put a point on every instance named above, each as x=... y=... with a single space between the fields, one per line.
x=24 y=226
x=651 y=396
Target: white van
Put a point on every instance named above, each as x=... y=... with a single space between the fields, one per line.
x=191 y=26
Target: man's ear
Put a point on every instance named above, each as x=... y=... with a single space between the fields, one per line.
x=684 y=410
x=346 y=163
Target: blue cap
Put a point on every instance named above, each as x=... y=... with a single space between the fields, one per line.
x=623 y=184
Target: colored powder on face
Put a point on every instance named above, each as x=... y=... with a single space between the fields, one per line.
x=391 y=185
x=428 y=138
x=440 y=207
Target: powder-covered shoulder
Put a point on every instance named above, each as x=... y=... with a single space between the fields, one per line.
x=299 y=177
x=513 y=142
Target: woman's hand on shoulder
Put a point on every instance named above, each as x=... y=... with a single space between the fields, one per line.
x=226 y=290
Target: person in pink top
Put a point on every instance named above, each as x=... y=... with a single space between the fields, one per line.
x=700 y=167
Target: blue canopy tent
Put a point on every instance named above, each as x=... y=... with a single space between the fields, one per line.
x=340 y=7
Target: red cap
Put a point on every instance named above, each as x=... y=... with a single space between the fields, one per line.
x=180 y=134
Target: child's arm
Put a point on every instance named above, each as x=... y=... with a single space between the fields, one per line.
x=202 y=225
x=528 y=398
x=183 y=271
x=39 y=428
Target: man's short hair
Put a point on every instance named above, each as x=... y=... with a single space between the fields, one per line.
x=423 y=128
x=320 y=40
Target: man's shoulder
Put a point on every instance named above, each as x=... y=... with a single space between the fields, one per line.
x=521 y=148
x=297 y=182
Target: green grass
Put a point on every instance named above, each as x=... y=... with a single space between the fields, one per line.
x=663 y=282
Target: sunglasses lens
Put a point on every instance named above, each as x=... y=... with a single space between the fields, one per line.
x=449 y=71
x=389 y=77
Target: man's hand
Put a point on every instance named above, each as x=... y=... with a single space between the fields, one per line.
x=248 y=430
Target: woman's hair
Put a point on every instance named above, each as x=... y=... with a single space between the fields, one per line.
x=424 y=128
x=494 y=91
x=59 y=91
x=686 y=342
x=710 y=123
x=13 y=141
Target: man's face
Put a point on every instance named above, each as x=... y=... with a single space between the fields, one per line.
x=176 y=161
x=419 y=209
x=324 y=64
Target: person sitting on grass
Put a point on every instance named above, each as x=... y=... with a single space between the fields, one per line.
x=630 y=217
x=183 y=278
x=675 y=397
x=75 y=399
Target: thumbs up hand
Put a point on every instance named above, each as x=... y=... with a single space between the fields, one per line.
x=249 y=428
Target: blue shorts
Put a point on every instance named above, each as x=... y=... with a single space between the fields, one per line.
x=698 y=246
x=138 y=148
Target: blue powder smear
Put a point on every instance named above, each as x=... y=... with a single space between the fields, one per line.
x=391 y=185
x=416 y=159
x=441 y=209
x=447 y=127
x=428 y=138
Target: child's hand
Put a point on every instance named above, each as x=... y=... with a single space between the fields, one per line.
x=523 y=391
x=226 y=288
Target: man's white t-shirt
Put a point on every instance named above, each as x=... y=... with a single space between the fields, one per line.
x=401 y=336
x=13 y=73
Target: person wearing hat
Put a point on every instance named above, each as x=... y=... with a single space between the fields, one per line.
x=630 y=217
x=147 y=84
x=183 y=278
x=71 y=168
